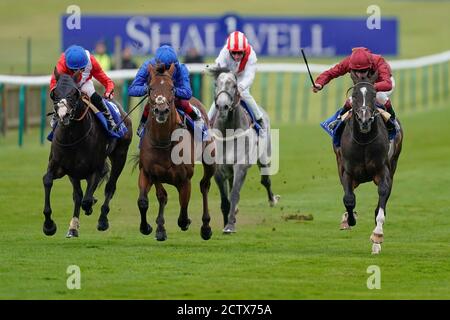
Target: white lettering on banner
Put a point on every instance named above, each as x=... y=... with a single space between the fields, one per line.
x=74 y=20
x=193 y=39
x=173 y=37
x=280 y=39
x=231 y=24
x=210 y=39
x=137 y=35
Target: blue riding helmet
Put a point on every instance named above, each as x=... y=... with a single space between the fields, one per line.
x=76 y=57
x=167 y=55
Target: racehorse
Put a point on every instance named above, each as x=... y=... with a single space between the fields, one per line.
x=79 y=150
x=155 y=158
x=366 y=154
x=233 y=164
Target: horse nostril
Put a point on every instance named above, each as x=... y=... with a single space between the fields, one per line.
x=166 y=111
x=226 y=107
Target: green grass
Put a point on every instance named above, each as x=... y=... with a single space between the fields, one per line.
x=268 y=258
x=423 y=26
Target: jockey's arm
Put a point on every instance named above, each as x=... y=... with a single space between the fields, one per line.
x=384 y=77
x=138 y=87
x=60 y=68
x=182 y=84
x=246 y=80
x=98 y=73
x=338 y=70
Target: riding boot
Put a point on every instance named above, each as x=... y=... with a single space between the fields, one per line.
x=143 y=120
x=347 y=106
x=392 y=123
x=196 y=115
x=98 y=102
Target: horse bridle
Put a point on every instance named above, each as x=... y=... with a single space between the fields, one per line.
x=235 y=99
x=375 y=111
x=72 y=109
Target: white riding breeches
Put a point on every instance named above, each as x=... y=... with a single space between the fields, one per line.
x=248 y=99
x=88 y=88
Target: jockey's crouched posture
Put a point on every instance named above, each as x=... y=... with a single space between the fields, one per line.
x=183 y=92
x=363 y=63
x=74 y=59
x=239 y=57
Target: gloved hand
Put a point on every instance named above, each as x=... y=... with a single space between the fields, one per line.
x=109 y=94
x=317 y=87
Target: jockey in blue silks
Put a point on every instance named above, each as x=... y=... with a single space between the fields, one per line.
x=183 y=92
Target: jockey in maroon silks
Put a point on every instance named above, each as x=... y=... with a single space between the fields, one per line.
x=363 y=63
x=76 y=58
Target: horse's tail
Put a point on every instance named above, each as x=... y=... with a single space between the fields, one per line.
x=105 y=172
x=134 y=159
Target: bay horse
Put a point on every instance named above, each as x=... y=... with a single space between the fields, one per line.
x=366 y=154
x=156 y=161
x=79 y=150
x=235 y=162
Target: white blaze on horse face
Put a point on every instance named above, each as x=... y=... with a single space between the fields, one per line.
x=160 y=99
x=364 y=111
x=62 y=108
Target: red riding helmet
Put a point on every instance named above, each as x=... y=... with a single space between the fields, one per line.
x=237 y=42
x=360 y=59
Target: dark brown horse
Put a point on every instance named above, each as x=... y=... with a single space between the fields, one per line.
x=366 y=154
x=79 y=150
x=157 y=162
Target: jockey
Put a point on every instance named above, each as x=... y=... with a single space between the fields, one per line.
x=363 y=63
x=76 y=58
x=183 y=92
x=239 y=57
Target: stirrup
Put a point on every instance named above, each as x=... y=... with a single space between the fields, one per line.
x=140 y=129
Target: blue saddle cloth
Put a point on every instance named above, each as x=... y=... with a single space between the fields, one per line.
x=114 y=110
x=336 y=132
x=256 y=126
x=189 y=123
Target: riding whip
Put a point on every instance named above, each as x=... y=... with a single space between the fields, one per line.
x=117 y=125
x=307 y=66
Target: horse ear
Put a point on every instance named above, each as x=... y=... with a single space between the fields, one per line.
x=151 y=70
x=373 y=78
x=354 y=77
x=76 y=75
x=56 y=74
x=172 y=69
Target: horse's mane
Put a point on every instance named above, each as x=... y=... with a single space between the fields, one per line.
x=215 y=72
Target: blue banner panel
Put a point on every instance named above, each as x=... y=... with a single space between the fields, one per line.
x=269 y=36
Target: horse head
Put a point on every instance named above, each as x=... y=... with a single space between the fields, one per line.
x=161 y=93
x=66 y=97
x=363 y=101
x=226 y=95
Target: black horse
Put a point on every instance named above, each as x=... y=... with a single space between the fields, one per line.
x=80 y=150
x=367 y=155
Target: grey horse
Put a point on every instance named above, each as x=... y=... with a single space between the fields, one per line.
x=238 y=147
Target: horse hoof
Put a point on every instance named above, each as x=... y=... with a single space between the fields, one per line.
x=344 y=226
x=275 y=200
x=351 y=219
x=72 y=233
x=102 y=225
x=88 y=212
x=376 y=248
x=146 y=229
x=161 y=236
x=49 y=230
x=229 y=229
x=377 y=238
x=206 y=233
x=184 y=226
